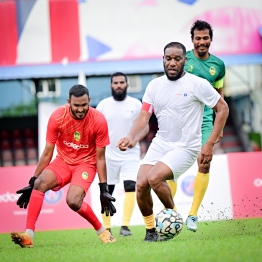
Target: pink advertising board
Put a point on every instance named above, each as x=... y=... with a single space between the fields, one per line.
x=55 y=213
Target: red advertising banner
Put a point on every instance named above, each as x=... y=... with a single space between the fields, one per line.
x=246 y=184
x=55 y=213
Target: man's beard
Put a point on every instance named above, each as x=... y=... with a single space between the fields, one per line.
x=119 y=96
x=174 y=78
x=201 y=54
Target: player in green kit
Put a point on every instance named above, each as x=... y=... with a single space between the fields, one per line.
x=203 y=64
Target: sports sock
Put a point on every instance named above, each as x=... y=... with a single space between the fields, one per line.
x=100 y=230
x=31 y=233
x=86 y=212
x=149 y=221
x=106 y=220
x=200 y=187
x=129 y=204
x=173 y=186
x=34 y=208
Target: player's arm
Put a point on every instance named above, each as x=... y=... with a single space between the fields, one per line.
x=139 y=124
x=101 y=164
x=105 y=198
x=45 y=158
x=219 y=88
x=139 y=136
x=25 y=192
x=222 y=111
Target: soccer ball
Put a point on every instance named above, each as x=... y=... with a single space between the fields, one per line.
x=169 y=223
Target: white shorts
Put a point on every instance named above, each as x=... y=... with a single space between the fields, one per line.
x=128 y=170
x=177 y=159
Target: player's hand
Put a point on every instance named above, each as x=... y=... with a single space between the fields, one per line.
x=23 y=200
x=124 y=143
x=206 y=154
x=106 y=200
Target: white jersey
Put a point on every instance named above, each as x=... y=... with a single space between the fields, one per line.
x=120 y=116
x=179 y=106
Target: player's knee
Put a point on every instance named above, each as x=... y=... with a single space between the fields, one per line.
x=74 y=201
x=74 y=205
x=153 y=181
x=129 y=186
x=41 y=184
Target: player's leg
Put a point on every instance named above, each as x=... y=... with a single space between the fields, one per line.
x=128 y=207
x=200 y=183
x=173 y=187
x=143 y=190
x=82 y=178
x=47 y=180
x=129 y=170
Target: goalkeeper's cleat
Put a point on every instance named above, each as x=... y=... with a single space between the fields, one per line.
x=22 y=239
x=125 y=231
x=191 y=223
x=153 y=236
x=106 y=237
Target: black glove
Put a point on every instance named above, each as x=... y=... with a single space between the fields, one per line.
x=23 y=200
x=106 y=199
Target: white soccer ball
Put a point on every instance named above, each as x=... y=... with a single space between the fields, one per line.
x=169 y=223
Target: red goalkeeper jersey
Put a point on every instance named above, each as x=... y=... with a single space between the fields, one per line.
x=76 y=140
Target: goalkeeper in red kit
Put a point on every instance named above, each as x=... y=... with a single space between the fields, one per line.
x=80 y=134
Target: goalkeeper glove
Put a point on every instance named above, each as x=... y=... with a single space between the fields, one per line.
x=106 y=200
x=23 y=200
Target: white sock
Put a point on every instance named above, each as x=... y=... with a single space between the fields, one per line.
x=30 y=232
x=102 y=229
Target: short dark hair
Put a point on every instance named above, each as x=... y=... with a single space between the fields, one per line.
x=201 y=25
x=78 y=90
x=175 y=44
x=118 y=74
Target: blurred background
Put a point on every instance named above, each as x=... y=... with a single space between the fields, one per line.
x=47 y=46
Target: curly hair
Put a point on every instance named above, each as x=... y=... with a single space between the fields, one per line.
x=201 y=25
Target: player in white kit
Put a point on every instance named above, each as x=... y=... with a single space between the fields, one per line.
x=178 y=100
x=120 y=110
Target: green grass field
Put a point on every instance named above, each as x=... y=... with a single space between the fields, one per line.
x=234 y=240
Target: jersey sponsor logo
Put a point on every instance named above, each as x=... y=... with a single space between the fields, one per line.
x=212 y=71
x=85 y=175
x=77 y=136
x=190 y=68
x=188 y=185
x=53 y=197
x=77 y=147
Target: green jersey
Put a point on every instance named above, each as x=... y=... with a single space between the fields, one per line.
x=213 y=70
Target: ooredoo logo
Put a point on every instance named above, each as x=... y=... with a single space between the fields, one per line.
x=188 y=185
x=8 y=197
x=53 y=197
x=258 y=182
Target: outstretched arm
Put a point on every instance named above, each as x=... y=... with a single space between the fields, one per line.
x=138 y=129
x=139 y=136
x=222 y=111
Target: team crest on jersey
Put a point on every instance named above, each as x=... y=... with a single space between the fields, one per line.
x=190 y=68
x=85 y=175
x=77 y=136
x=212 y=71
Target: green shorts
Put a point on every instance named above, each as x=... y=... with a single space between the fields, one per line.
x=206 y=131
x=207 y=124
